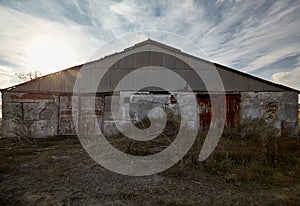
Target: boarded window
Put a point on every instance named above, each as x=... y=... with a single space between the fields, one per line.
x=126 y=100
x=109 y=107
x=271 y=110
x=67 y=125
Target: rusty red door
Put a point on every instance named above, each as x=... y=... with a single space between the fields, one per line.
x=205 y=110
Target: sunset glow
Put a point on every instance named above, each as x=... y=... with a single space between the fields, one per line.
x=48 y=54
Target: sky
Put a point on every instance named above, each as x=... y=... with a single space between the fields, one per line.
x=258 y=37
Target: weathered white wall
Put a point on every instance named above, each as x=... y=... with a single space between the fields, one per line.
x=277 y=108
x=37 y=113
x=130 y=107
x=135 y=107
x=41 y=112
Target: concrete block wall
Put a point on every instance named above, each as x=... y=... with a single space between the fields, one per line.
x=43 y=114
x=129 y=107
x=298 y=117
x=135 y=107
x=277 y=108
x=37 y=113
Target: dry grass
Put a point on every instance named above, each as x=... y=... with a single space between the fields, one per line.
x=57 y=170
x=251 y=152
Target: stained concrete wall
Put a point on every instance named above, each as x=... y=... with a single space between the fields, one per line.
x=277 y=108
x=298 y=117
x=43 y=114
x=133 y=108
x=29 y=114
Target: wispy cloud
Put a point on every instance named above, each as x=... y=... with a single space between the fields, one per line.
x=290 y=78
x=20 y=33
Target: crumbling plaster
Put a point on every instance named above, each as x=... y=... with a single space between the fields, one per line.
x=43 y=114
x=35 y=115
x=254 y=105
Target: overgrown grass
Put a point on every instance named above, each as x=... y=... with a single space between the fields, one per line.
x=13 y=152
x=252 y=152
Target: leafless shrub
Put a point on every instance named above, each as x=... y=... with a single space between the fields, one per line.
x=22 y=130
x=23 y=76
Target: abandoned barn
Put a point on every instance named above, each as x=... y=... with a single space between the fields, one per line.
x=48 y=106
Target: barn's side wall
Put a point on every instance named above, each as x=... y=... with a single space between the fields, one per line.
x=42 y=115
x=34 y=115
x=48 y=115
x=277 y=108
x=298 y=117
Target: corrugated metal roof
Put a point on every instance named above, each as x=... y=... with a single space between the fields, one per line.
x=145 y=54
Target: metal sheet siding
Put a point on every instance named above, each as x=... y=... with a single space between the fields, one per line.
x=142 y=55
x=241 y=83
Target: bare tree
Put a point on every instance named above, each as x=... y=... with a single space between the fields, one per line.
x=23 y=76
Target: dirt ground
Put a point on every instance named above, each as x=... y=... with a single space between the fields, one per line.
x=59 y=172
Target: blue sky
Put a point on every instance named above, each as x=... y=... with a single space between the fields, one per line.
x=258 y=37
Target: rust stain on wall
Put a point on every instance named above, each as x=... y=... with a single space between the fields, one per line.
x=232 y=110
x=204 y=111
x=66 y=119
x=32 y=96
x=271 y=110
x=86 y=115
x=298 y=116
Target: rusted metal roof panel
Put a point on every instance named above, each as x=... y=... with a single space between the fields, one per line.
x=62 y=81
x=235 y=81
x=247 y=82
